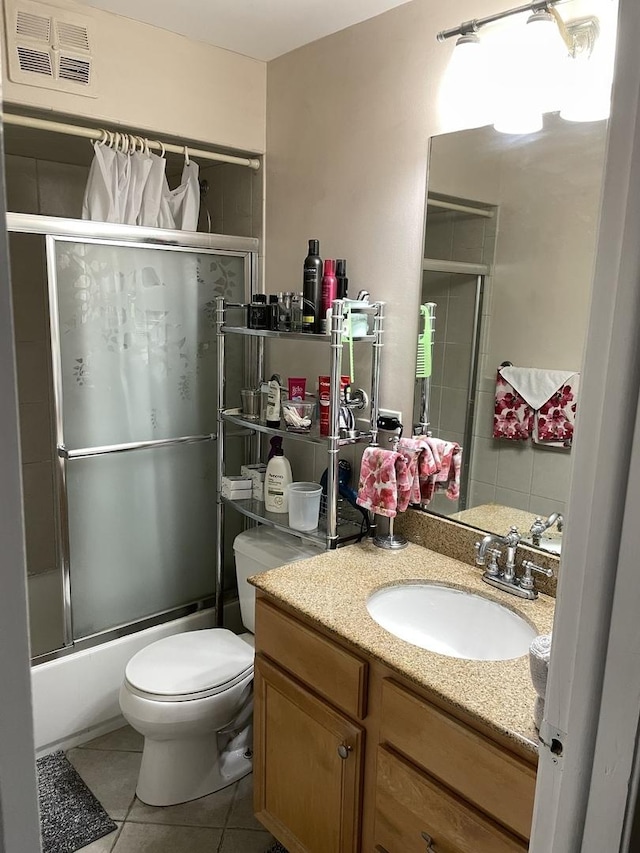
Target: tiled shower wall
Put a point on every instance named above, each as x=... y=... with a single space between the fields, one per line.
x=454 y=236
x=516 y=474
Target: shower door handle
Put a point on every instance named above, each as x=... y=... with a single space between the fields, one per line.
x=85 y=452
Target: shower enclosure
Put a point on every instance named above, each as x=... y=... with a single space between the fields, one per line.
x=131 y=399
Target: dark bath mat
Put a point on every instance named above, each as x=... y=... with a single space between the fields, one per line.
x=70 y=816
x=276 y=847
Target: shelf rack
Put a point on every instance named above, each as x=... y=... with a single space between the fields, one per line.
x=336 y=527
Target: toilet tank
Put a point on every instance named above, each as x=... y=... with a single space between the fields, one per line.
x=259 y=550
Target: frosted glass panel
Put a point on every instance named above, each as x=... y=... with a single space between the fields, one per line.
x=137 y=340
x=142 y=533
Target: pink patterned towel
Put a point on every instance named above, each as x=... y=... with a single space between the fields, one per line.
x=415 y=451
x=385 y=483
x=447 y=456
x=513 y=416
x=554 y=421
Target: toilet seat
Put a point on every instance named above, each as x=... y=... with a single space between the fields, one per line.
x=190 y=666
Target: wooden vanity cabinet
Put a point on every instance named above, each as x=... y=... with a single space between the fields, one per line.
x=348 y=758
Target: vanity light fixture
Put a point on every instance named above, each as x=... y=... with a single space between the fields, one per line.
x=547 y=68
x=464 y=86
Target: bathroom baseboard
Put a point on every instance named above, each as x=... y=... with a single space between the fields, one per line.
x=75 y=698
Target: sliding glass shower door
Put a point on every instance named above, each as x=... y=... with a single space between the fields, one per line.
x=135 y=376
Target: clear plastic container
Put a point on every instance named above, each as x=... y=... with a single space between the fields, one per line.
x=299 y=415
x=304 y=505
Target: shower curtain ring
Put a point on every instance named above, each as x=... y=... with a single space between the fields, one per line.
x=103 y=137
x=111 y=138
x=163 y=152
x=186 y=155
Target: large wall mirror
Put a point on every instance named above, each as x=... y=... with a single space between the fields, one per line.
x=509 y=251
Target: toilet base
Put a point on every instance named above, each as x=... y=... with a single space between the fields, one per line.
x=176 y=771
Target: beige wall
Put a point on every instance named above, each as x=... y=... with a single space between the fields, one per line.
x=348 y=123
x=156 y=81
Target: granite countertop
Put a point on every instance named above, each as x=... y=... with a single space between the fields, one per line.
x=332 y=589
x=498 y=519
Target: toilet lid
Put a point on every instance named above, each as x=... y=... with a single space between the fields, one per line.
x=190 y=663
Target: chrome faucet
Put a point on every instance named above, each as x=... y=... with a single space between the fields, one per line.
x=510 y=541
x=540 y=525
x=506 y=579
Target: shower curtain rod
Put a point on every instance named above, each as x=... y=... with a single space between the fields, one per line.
x=95 y=133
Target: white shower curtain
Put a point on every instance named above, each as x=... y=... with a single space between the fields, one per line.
x=130 y=188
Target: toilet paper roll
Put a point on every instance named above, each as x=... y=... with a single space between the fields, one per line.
x=539 y=654
x=538 y=712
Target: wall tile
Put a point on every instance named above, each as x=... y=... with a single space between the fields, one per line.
x=551 y=473
x=439 y=236
x=36 y=432
x=483 y=422
x=545 y=506
x=512 y=498
x=515 y=466
x=484 y=464
x=453 y=410
x=461 y=314
x=481 y=493
x=468 y=233
x=457 y=362
x=437 y=363
x=435 y=285
x=29 y=287
x=33 y=372
x=22 y=184
x=61 y=189
x=45 y=612
x=40 y=529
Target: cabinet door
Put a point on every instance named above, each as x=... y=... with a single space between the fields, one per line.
x=307 y=766
x=414 y=814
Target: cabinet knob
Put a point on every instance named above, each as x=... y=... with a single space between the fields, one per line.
x=429 y=840
x=343 y=751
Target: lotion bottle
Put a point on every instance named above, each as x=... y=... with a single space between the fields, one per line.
x=273 y=401
x=277 y=479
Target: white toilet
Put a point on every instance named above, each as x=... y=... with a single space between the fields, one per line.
x=190 y=694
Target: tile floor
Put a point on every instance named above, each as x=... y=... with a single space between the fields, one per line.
x=220 y=823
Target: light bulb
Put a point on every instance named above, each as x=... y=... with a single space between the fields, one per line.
x=530 y=73
x=463 y=93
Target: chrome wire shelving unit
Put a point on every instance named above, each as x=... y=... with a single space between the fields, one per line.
x=339 y=524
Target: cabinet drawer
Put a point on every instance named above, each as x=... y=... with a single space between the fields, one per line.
x=495 y=781
x=412 y=808
x=330 y=670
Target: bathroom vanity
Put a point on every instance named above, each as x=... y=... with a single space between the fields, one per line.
x=366 y=742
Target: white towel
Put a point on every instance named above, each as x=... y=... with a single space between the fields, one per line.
x=535 y=385
x=539 y=655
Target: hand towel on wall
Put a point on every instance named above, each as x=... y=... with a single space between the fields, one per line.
x=512 y=416
x=385 y=484
x=554 y=421
x=520 y=393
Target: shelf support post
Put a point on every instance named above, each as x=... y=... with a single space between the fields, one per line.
x=337 y=329
x=219 y=613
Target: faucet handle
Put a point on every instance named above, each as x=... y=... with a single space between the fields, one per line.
x=479 y=558
x=493 y=569
x=526 y=581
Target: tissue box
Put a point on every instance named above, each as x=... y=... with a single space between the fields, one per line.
x=236 y=488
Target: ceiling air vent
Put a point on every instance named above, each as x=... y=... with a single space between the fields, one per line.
x=35 y=61
x=49 y=47
x=78 y=70
x=33 y=26
x=72 y=36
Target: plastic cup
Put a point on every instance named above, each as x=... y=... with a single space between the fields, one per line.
x=304 y=505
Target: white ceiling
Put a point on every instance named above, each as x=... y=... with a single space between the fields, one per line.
x=262 y=29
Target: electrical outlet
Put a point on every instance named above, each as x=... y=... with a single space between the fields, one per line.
x=389 y=413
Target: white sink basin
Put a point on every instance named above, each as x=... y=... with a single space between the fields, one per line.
x=451 y=622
